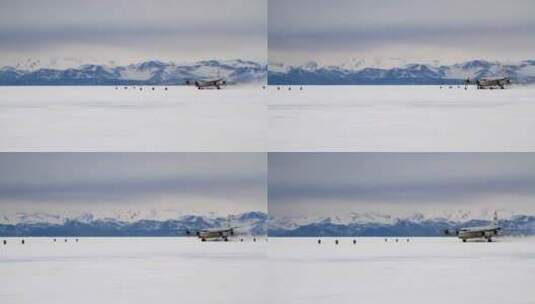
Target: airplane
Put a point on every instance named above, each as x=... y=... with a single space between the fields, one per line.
x=480 y=232
x=489 y=83
x=214 y=234
x=208 y=84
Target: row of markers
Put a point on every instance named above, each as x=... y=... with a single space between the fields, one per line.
x=265 y=87
x=165 y=88
x=24 y=242
x=281 y=88
x=336 y=242
x=254 y=239
x=140 y=88
x=458 y=87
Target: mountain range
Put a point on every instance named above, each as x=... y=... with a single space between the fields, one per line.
x=145 y=73
x=40 y=224
x=384 y=225
x=257 y=223
x=314 y=74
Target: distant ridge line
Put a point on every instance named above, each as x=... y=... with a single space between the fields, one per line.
x=152 y=72
x=410 y=74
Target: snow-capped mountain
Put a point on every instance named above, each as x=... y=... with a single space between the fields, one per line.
x=40 y=224
x=374 y=224
x=145 y=73
x=313 y=73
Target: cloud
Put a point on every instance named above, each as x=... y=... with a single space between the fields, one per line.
x=188 y=181
x=301 y=183
x=417 y=30
x=130 y=31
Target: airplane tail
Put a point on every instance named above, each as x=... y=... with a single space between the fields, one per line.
x=229 y=224
x=495 y=218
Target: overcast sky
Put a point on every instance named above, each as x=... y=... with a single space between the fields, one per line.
x=109 y=183
x=400 y=184
x=126 y=31
x=392 y=32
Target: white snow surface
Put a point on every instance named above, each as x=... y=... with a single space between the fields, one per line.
x=423 y=270
x=317 y=118
x=281 y=270
x=105 y=119
x=132 y=270
x=400 y=119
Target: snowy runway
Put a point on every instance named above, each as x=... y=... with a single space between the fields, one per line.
x=131 y=270
x=318 y=118
x=400 y=119
x=105 y=119
x=423 y=270
x=282 y=270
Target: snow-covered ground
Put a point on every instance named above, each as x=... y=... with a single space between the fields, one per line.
x=132 y=270
x=105 y=119
x=281 y=270
x=400 y=118
x=317 y=118
x=423 y=270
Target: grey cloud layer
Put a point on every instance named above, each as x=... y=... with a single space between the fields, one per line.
x=115 y=29
x=86 y=179
x=298 y=183
x=297 y=30
x=338 y=180
x=320 y=30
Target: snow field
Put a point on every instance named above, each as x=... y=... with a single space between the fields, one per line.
x=280 y=270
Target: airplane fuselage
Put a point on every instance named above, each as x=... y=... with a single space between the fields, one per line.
x=478 y=233
x=492 y=83
x=489 y=83
x=212 y=235
x=210 y=84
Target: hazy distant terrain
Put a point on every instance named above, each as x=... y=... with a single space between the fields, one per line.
x=409 y=74
x=151 y=72
x=28 y=224
x=374 y=225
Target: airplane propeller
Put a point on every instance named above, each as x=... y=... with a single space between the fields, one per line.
x=450 y=232
x=189 y=232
